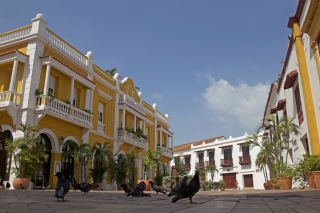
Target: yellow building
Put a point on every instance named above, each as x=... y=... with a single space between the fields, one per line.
x=88 y=105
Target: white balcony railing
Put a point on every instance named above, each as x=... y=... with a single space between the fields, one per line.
x=15 y=35
x=65 y=47
x=161 y=117
x=101 y=127
x=64 y=109
x=165 y=151
x=9 y=98
x=125 y=100
x=132 y=139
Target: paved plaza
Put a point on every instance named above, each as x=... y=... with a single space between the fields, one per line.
x=23 y=201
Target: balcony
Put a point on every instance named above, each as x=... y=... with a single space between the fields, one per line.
x=166 y=151
x=129 y=104
x=9 y=98
x=200 y=165
x=244 y=160
x=63 y=110
x=187 y=166
x=226 y=162
x=132 y=139
x=210 y=163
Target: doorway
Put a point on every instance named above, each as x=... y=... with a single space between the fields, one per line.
x=248 y=180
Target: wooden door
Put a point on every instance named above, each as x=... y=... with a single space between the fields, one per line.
x=248 y=180
x=230 y=180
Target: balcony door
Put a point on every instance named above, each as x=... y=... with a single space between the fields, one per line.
x=45 y=165
x=5 y=160
x=227 y=154
x=75 y=96
x=245 y=151
x=52 y=85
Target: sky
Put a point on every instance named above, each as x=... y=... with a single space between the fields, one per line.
x=208 y=64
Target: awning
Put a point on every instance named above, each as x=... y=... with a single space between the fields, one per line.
x=290 y=79
x=273 y=110
x=281 y=104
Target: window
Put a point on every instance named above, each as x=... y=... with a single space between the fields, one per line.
x=245 y=151
x=227 y=153
x=200 y=157
x=100 y=112
x=52 y=85
x=75 y=97
x=187 y=159
x=298 y=105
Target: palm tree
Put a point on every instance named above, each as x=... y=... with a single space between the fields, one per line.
x=82 y=154
x=150 y=160
x=180 y=165
x=212 y=169
x=99 y=164
x=112 y=71
x=131 y=158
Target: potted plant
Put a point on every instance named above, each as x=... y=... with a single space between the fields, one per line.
x=27 y=154
x=131 y=159
x=151 y=160
x=283 y=174
x=309 y=169
x=99 y=162
x=120 y=169
x=222 y=184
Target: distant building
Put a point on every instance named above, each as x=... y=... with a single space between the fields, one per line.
x=234 y=160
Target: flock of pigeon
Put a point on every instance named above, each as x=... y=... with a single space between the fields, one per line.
x=180 y=191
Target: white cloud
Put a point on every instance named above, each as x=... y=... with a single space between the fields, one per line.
x=157 y=96
x=242 y=104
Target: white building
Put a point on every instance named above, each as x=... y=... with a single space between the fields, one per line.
x=234 y=160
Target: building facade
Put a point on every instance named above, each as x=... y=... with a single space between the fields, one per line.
x=232 y=157
x=47 y=82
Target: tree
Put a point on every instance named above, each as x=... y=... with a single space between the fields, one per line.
x=82 y=154
x=180 y=165
x=131 y=158
x=212 y=169
x=150 y=160
x=26 y=152
x=112 y=71
x=99 y=164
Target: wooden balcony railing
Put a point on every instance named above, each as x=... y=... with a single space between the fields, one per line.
x=200 y=164
x=226 y=162
x=244 y=160
x=209 y=163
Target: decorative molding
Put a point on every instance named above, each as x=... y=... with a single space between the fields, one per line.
x=104 y=95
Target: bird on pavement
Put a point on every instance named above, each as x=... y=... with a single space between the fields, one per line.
x=138 y=189
x=8 y=185
x=22 y=186
x=74 y=184
x=156 y=188
x=62 y=187
x=127 y=189
x=86 y=187
x=190 y=190
x=179 y=186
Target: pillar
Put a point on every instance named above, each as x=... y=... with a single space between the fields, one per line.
x=46 y=82
x=13 y=74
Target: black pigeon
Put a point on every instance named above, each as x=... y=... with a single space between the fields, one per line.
x=22 y=186
x=86 y=187
x=75 y=185
x=179 y=186
x=8 y=185
x=138 y=189
x=62 y=187
x=190 y=190
x=127 y=189
x=156 y=188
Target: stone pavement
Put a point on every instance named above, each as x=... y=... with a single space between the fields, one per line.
x=233 y=201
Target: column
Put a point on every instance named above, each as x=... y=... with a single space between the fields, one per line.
x=123 y=118
x=91 y=99
x=13 y=74
x=171 y=141
x=144 y=127
x=135 y=123
x=167 y=140
x=46 y=82
x=71 y=90
x=160 y=135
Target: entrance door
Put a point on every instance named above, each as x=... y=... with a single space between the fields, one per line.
x=45 y=165
x=5 y=160
x=248 y=180
x=230 y=180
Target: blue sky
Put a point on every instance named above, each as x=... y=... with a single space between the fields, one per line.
x=207 y=63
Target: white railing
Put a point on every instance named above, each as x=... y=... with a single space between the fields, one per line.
x=9 y=97
x=165 y=150
x=18 y=34
x=62 y=108
x=125 y=100
x=101 y=127
x=132 y=138
x=62 y=45
x=161 y=117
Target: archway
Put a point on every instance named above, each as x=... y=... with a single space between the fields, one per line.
x=67 y=163
x=45 y=165
x=5 y=161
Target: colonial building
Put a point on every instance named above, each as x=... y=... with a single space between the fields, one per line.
x=79 y=102
x=234 y=160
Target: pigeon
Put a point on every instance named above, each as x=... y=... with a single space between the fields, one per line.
x=74 y=184
x=127 y=189
x=86 y=187
x=62 y=187
x=190 y=190
x=179 y=186
x=22 y=186
x=138 y=189
x=156 y=188
x=8 y=185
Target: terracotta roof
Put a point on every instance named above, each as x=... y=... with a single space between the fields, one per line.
x=6 y=53
x=290 y=79
x=187 y=146
x=47 y=56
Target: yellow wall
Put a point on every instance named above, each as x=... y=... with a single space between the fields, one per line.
x=22 y=48
x=5 y=118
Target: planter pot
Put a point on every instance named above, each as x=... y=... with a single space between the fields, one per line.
x=313 y=179
x=222 y=189
x=99 y=188
x=17 y=181
x=148 y=186
x=284 y=182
